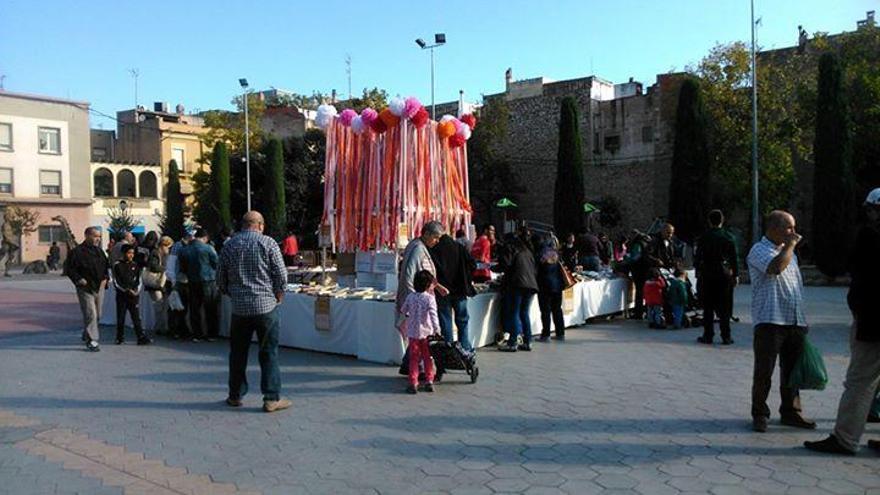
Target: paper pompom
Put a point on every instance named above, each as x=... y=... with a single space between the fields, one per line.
x=459 y=126
x=446 y=118
x=347 y=116
x=456 y=141
x=412 y=107
x=421 y=118
x=388 y=117
x=445 y=129
x=463 y=131
x=397 y=105
x=357 y=125
x=325 y=115
x=378 y=125
x=368 y=115
x=469 y=119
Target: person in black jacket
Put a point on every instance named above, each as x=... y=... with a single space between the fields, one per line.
x=127 y=281
x=455 y=267
x=863 y=374
x=89 y=269
x=551 y=283
x=716 y=263
x=519 y=286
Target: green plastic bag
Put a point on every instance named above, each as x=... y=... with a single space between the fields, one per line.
x=809 y=371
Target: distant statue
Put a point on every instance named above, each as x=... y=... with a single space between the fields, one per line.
x=802 y=39
x=70 y=240
x=10 y=243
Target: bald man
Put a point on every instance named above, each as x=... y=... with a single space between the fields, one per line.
x=778 y=316
x=253 y=275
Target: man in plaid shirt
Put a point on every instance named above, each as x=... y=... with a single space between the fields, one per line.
x=253 y=275
x=778 y=316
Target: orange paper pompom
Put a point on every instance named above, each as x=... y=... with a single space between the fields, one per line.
x=389 y=118
x=445 y=129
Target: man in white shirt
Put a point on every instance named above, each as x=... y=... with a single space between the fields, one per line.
x=778 y=316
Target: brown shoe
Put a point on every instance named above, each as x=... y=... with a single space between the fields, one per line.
x=276 y=405
x=233 y=402
x=799 y=422
x=829 y=446
x=759 y=425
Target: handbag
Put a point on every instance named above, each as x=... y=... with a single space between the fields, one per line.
x=154 y=280
x=568 y=280
x=174 y=301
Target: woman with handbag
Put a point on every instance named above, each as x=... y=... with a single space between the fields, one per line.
x=552 y=281
x=156 y=283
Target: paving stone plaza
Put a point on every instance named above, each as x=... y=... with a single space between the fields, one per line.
x=616 y=409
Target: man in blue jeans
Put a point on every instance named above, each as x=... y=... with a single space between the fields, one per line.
x=253 y=275
x=455 y=267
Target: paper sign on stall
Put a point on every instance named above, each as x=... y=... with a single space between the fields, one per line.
x=568 y=300
x=322 y=313
x=402 y=235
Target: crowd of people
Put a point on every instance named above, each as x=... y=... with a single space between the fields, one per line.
x=437 y=276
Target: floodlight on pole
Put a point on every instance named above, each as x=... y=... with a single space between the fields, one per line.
x=439 y=40
x=247 y=140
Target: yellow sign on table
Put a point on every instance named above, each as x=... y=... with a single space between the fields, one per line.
x=322 y=313
x=568 y=300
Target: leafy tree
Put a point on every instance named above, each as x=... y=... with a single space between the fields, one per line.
x=689 y=185
x=568 y=199
x=174 y=207
x=273 y=190
x=220 y=187
x=121 y=220
x=297 y=100
x=374 y=98
x=303 y=181
x=22 y=220
x=229 y=126
x=491 y=176
x=833 y=204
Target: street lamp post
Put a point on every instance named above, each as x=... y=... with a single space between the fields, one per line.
x=756 y=223
x=247 y=141
x=439 y=40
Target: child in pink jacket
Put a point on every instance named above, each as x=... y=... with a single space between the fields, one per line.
x=420 y=309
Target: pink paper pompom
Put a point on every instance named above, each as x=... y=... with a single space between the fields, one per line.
x=347 y=116
x=368 y=115
x=459 y=126
x=412 y=107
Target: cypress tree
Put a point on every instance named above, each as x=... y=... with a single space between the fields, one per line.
x=568 y=201
x=173 y=204
x=273 y=190
x=833 y=204
x=689 y=192
x=220 y=187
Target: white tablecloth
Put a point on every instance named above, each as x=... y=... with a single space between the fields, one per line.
x=366 y=328
x=108 y=310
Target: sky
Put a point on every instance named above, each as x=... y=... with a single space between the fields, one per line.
x=194 y=52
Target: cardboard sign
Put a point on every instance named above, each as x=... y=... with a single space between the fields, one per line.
x=568 y=300
x=402 y=235
x=322 y=313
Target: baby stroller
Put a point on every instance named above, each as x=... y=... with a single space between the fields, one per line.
x=452 y=356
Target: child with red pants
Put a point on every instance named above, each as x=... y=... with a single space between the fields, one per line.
x=420 y=309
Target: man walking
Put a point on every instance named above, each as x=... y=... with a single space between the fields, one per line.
x=454 y=268
x=88 y=269
x=253 y=275
x=199 y=261
x=716 y=263
x=778 y=315
x=863 y=374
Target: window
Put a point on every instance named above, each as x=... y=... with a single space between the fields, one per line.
x=52 y=233
x=125 y=187
x=50 y=140
x=612 y=143
x=103 y=183
x=99 y=152
x=50 y=183
x=5 y=136
x=179 y=156
x=647 y=134
x=147 y=183
x=5 y=181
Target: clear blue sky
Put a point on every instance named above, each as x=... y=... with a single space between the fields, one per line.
x=193 y=52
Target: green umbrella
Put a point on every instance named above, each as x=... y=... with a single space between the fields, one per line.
x=589 y=208
x=505 y=203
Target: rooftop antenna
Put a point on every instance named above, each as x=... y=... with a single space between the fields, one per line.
x=2 y=78
x=135 y=73
x=348 y=72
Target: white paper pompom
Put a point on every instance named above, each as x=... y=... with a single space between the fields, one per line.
x=446 y=118
x=357 y=125
x=465 y=132
x=325 y=116
x=397 y=106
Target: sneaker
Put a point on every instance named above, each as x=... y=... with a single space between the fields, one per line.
x=233 y=402
x=93 y=346
x=704 y=340
x=727 y=341
x=210 y=339
x=429 y=387
x=759 y=425
x=829 y=446
x=412 y=390
x=524 y=347
x=145 y=341
x=799 y=422
x=195 y=340
x=560 y=338
x=543 y=338
x=276 y=405
x=507 y=348
x=120 y=341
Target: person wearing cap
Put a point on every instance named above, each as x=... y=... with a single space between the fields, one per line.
x=863 y=374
